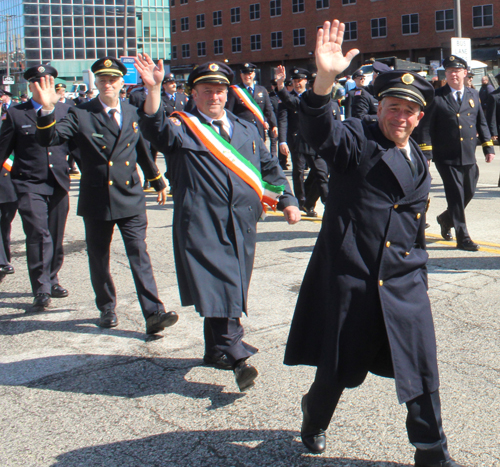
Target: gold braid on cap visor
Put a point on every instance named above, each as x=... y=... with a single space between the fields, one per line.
x=222 y=77
x=404 y=91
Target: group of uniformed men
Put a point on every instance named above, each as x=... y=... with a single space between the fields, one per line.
x=360 y=307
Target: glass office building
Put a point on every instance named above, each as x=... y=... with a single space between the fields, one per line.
x=72 y=34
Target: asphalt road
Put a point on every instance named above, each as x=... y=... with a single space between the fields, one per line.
x=72 y=394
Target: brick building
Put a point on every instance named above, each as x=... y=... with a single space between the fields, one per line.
x=273 y=32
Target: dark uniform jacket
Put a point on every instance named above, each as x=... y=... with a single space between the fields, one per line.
x=36 y=169
x=137 y=97
x=178 y=104
x=260 y=95
x=7 y=192
x=369 y=258
x=447 y=134
x=110 y=186
x=359 y=102
x=80 y=100
x=289 y=125
x=215 y=213
x=493 y=112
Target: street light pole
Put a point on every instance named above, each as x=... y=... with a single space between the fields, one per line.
x=125 y=48
x=7 y=48
x=458 y=14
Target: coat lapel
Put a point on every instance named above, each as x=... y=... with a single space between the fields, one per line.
x=452 y=102
x=30 y=112
x=102 y=117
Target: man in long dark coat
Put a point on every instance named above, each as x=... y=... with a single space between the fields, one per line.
x=363 y=305
x=8 y=209
x=216 y=206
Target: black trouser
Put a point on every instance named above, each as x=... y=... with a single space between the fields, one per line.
x=225 y=336
x=459 y=186
x=319 y=187
x=44 y=220
x=98 y=235
x=423 y=423
x=7 y=214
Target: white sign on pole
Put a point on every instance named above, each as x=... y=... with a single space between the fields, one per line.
x=461 y=47
x=8 y=80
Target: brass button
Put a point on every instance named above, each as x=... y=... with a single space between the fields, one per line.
x=472 y=137
x=471 y=126
x=127 y=183
x=419 y=215
x=461 y=139
x=111 y=182
x=110 y=163
x=388 y=244
x=460 y=127
x=458 y=115
x=104 y=147
x=50 y=154
x=407 y=253
x=5 y=174
x=51 y=165
x=468 y=115
x=396 y=206
x=380 y=283
x=128 y=144
x=127 y=163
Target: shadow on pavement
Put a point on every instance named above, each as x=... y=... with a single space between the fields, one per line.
x=284 y=235
x=117 y=376
x=276 y=448
x=463 y=263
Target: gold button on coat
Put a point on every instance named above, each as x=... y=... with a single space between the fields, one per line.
x=127 y=183
x=396 y=206
x=419 y=216
x=110 y=163
x=381 y=282
x=111 y=182
x=388 y=244
x=127 y=163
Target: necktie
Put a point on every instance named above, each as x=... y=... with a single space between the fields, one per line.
x=250 y=90
x=459 y=98
x=410 y=162
x=114 y=123
x=220 y=124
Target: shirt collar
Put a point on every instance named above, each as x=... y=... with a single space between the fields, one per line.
x=209 y=120
x=107 y=108
x=36 y=105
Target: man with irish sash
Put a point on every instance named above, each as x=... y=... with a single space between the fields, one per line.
x=222 y=176
x=251 y=102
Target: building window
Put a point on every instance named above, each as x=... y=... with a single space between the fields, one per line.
x=409 y=24
x=217 y=15
x=255 y=42
x=445 y=20
x=254 y=11
x=200 y=21
x=235 y=15
x=298 y=6
x=185 y=51
x=236 y=45
x=218 y=48
x=379 y=27
x=348 y=2
x=322 y=4
x=173 y=26
x=183 y=2
x=202 y=48
x=299 y=37
x=275 y=7
x=277 y=40
x=172 y=3
x=482 y=16
x=185 y=23
x=351 y=31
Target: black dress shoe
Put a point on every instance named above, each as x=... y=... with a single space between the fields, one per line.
x=7 y=269
x=468 y=245
x=41 y=301
x=160 y=320
x=245 y=375
x=445 y=229
x=450 y=463
x=313 y=438
x=221 y=363
x=108 y=319
x=309 y=212
x=58 y=292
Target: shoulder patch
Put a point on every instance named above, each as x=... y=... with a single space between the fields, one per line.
x=175 y=121
x=358 y=93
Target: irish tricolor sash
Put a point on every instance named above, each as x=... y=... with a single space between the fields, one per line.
x=7 y=165
x=233 y=160
x=249 y=101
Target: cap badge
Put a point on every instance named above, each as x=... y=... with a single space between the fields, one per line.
x=135 y=126
x=213 y=67
x=246 y=65
x=471 y=102
x=107 y=63
x=295 y=71
x=407 y=78
x=452 y=58
x=41 y=69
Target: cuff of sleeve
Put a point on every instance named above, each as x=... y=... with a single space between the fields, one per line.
x=315 y=101
x=46 y=121
x=158 y=184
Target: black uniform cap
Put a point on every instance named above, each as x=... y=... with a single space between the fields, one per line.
x=169 y=77
x=60 y=85
x=288 y=82
x=4 y=92
x=404 y=85
x=358 y=74
x=123 y=91
x=89 y=91
x=24 y=96
x=454 y=62
x=248 y=67
x=36 y=72
x=211 y=72
x=109 y=66
x=299 y=73
x=379 y=67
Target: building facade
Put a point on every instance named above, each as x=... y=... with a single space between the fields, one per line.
x=273 y=32
x=72 y=34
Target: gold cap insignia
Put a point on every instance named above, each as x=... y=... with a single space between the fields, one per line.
x=246 y=65
x=107 y=63
x=407 y=78
x=41 y=69
x=295 y=71
x=471 y=102
x=135 y=126
x=452 y=58
x=213 y=67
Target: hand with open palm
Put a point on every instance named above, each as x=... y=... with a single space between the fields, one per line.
x=151 y=74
